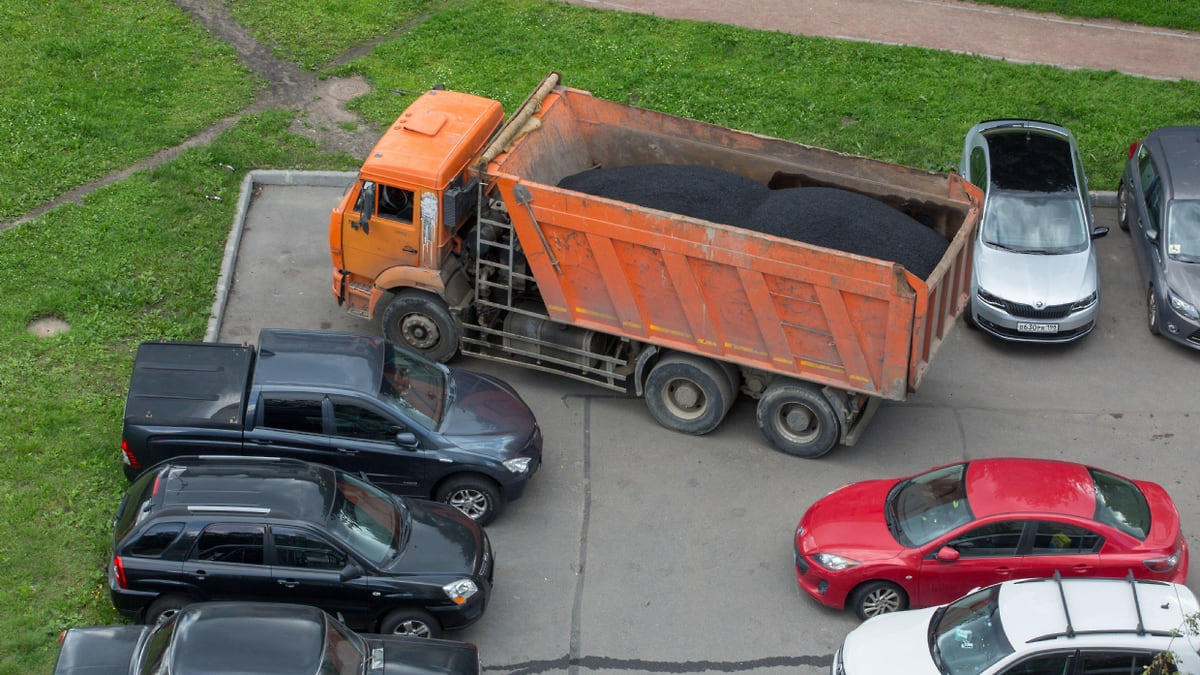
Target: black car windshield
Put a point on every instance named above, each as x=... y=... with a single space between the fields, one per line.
x=925 y=507
x=1121 y=504
x=366 y=519
x=966 y=637
x=1183 y=231
x=1049 y=223
x=344 y=651
x=414 y=385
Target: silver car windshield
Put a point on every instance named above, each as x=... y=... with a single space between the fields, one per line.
x=966 y=637
x=1183 y=231
x=1047 y=223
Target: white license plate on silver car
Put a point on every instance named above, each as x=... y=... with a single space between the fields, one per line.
x=1026 y=327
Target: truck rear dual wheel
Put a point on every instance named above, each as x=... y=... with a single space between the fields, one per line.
x=797 y=419
x=690 y=394
x=422 y=322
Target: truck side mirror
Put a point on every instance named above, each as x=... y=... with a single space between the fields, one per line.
x=367 y=199
x=407 y=440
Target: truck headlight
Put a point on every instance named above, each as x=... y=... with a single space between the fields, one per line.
x=517 y=464
x=1182 y=307
x=459 y=591
x=835 y=562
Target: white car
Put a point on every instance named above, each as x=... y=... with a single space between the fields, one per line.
x=1055 y=626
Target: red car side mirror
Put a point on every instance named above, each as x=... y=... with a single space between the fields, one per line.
x=947 y=554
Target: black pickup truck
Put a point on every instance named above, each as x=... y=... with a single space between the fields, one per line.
x=410 y=425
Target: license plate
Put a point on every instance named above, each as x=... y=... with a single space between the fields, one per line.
x=1037 y=327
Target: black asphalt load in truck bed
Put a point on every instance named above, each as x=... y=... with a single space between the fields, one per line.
x=189 y=384
x=828 y=217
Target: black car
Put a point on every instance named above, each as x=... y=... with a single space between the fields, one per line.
x=356 y=402
x=255 y=638
x=282 y=530
x=1158 y=203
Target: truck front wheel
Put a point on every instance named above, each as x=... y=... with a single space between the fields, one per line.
x=797 y=419
x=689 y=393
x=422 y=322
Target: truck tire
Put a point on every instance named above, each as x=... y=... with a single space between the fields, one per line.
x=412 y=622
x=690 y=394
x=421 y=321
x=796 y=419
x=476 y=496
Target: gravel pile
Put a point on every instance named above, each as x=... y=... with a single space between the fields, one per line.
x=828 y=217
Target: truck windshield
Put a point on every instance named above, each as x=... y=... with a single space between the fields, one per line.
x=414 y=384
x=366 y=519
x=966 y=636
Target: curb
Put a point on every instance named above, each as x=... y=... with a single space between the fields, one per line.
x=1100 y=199
x=249 y=183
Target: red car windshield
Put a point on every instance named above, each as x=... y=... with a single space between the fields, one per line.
x=925 y=507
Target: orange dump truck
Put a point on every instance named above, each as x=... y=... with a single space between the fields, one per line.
x=457 y=238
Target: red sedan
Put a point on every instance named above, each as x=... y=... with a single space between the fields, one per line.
x=885 y=545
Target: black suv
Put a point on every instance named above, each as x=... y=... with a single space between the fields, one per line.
x=1158 y=203
x=270 y=529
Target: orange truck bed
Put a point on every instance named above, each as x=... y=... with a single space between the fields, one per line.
x=765 y=302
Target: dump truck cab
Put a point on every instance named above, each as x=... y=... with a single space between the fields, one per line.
x=397 y=225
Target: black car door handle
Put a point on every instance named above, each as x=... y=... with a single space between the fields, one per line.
x=347 y=451
x=200 y=573
x=288 y=583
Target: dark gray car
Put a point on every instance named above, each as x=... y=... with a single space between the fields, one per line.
x=1034 y=277
x=1158 y=203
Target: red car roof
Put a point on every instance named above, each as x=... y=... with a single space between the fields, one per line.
x=996 y=486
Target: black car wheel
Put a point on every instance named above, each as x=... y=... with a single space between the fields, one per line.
x=476 y=496
x=422 y=322
x=689 y=394
x=878 y=597
x=165 y=607
x=1122 y=207
x=796 y=419
x=1152 y=311
x=410 y=622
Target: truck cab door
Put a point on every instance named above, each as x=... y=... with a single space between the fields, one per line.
x=380 y=230
x=367 y=439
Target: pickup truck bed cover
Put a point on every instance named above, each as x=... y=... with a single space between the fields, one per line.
x=189 y=384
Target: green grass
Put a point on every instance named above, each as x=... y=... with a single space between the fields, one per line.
x=138 y=260
x=102 y=85
x=907 y=105
x=313 y=32
x=90 y=86
x=1180 y=14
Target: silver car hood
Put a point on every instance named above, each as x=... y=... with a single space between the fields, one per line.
x=1028 y=278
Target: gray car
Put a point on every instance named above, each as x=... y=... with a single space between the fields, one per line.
x=1034 y=277
x=1158 y=203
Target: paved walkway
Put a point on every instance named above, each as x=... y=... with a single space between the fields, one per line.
x=995 y=32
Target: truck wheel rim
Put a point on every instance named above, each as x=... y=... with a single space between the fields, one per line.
x=684 y=398
x=471 y=502
x=797 y=422
x=419 y=331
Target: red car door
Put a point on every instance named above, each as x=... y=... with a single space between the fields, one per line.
x=1068 y=549
x=979 y=554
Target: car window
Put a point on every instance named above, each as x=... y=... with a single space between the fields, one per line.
x=1058 y=663
x=1154 y=206
x=230 y=542
x=1121 y=504
x=413 y=384
x=297 y=548
x=1035 y=222
x=292 y=414
x=366 y=519
x=153 y=659
x=991 y=540
x=1053 y=538
x=154 y=540
x=1117 y=662
x=1183 y=230
x=967 y=636
x=979 y=168
x=344 y=651
x=395 y=203
x=351 y=420
x=1146 y=168
x=928 y=506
